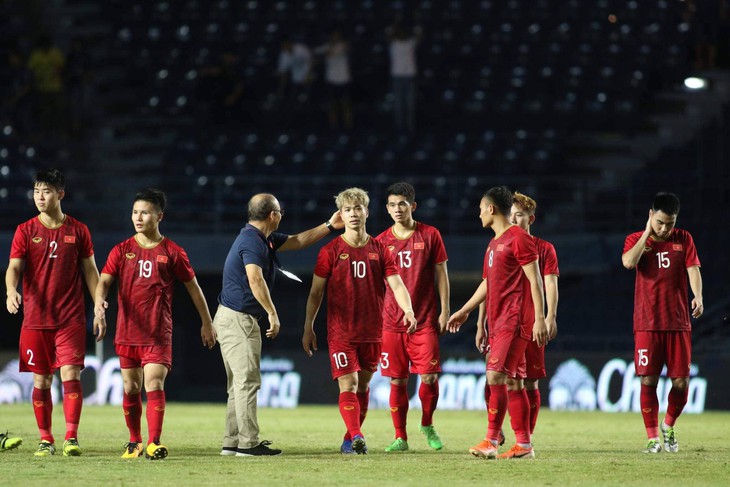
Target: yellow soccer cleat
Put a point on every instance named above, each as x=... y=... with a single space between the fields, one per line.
x=132 y=450
x=155 y=451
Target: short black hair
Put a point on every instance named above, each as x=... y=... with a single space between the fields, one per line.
x=154 y=196
x=402 y=189
x=501 y=197
x=666 y=202
x=52 y=177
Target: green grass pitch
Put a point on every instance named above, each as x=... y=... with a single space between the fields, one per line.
x=573 y=448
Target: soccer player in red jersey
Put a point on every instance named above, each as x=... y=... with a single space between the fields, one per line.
x=354 y=269
x=52 y=252
x=146 y=266
x=421 y=257
x=512 y=287
x=663 y=257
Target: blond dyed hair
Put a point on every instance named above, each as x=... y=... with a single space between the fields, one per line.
x=354 y=196
x=527 y=204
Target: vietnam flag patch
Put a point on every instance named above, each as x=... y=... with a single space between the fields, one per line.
x=677 y=247
x=162 y=258
x=69 y=239
x=419 y=246
x=373 y=256
x=500 y=247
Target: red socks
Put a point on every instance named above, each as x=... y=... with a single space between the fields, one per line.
x=132 y=405
x=519 y=413
x=43 y=409
x=73 y=400
x=429 y=395
x=533 y=398
x=155 y=415
x=676 y=401
x=350 y=412
x=399 y=409
x=496 y=410
x=487 y=395
x=650 y=410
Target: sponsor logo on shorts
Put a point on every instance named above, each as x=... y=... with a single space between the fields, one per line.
x=493 y=410
x=434 y=362
x=677 y=247
x=39 y=404
x=162 y=258
x=493 y=360
x=646 y=410
x=37 y=239
x=130 y=255
x=344 y=256
x=419 y=246
x=69 y=239
x=73 y=395
x=373 y=256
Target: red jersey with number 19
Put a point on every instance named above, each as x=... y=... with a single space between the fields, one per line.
x=509 y=300
x=416 y=257
x=146 y=281
x=355 y=288
x=660 y=295
x=53 y=294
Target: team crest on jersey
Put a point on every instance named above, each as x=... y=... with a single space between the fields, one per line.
x=69 y=239
x=419 y=246
x=130 y=255
x=162 y=258
x=500 y=247
x=677 y=247
x=344 y=256
x=647 y=249
x=373 y=256
x=37 y=239
x=391 y=247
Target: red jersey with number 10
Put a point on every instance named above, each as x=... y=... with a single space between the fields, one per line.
x=53 y=294
x=146 y=278
x=509 y=299
x=660 y=295
x=416 y=257
x=355 y=288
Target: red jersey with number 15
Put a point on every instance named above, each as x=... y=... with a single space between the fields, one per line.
x=416 y=257
x=355 y=288
x=53 y=294
x=660 y=295
x=509 y=299
x=146 y=279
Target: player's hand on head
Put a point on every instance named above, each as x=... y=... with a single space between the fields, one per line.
x=648 y=223
x=309 y=342
x=13 y=302
x=336 y=220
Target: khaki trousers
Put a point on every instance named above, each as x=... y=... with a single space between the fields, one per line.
x=239 y=336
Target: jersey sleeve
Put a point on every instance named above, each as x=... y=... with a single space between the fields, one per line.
x=551 y=260
x=323 y=268
x=390 y=268
x=112 y=262
x=19 y=247
x=691 y=258
x=524 y=248
x=439 y=250
x=631 y=241
x=182 y=268
x=87 y=247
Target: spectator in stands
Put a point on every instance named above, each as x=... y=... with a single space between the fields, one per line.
x=47 y=63
x=15 y=107
x=403 y=72
x=338 y=78
x=295 y=75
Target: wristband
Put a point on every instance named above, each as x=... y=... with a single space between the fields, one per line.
x=329 y=226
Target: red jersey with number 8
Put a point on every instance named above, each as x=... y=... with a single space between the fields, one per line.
x=53 y=294
x=146 y=280
x=355 y=288
x=660 y=294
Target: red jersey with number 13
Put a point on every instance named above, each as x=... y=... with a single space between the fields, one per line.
x=660 y=295
x=355 y=288
x=146 y=280
x=53 y=295
x=509 y=299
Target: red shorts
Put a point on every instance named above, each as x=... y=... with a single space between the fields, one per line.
x=349 y=357
x=508 y=353
x=421 y=350
x=44 y=351
x=535 y=361
x=653 y=349
x=136 y=356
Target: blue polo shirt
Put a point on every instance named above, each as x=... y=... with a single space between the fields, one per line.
x=250 y=247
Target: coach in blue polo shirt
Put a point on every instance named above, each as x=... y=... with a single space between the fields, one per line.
x=248 y=275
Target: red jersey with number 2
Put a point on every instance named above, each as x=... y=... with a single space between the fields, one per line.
x=355 y=288
x=660 y=297
x=146 y=279
x=509 y=299
x=416 y=257
x=53 y=294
